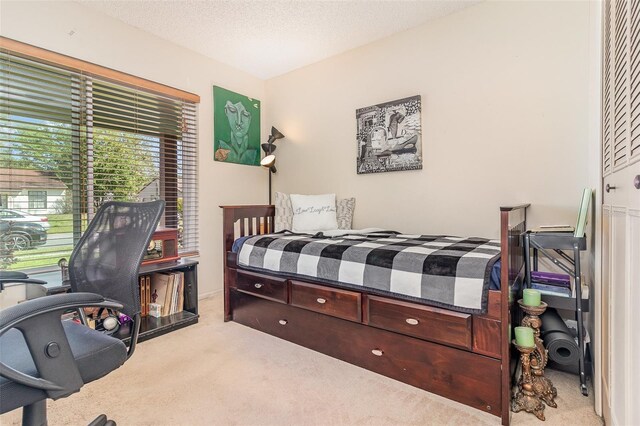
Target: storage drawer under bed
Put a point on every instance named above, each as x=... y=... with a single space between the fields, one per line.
x=453 y=373
x=424 y=322
x=271 y=288
x=326 y=300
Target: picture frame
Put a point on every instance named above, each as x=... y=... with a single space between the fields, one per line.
x=236 y=127
x=389 y=136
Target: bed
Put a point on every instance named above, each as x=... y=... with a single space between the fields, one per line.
x=461 y=353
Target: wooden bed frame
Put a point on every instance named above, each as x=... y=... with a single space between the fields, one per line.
x=463 y=357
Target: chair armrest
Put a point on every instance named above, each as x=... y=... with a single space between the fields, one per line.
x=39 y=321
x=4 y=281
x=9 y=317
x=7 y=277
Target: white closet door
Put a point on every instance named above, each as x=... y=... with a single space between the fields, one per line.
x=621 y=212
x=606 y=313
x=634 y=89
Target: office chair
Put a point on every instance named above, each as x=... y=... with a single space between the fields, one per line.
x=43 y=357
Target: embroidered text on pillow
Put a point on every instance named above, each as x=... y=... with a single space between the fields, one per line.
x=316 y=210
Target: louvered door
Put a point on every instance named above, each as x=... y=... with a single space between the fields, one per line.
x=634 y=91
x=607 y=92
x=621 y=211
x=620 y=65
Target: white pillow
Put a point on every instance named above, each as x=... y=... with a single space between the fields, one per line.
x=313 y=213
x=284 y=212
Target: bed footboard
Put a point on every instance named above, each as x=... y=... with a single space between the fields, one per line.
x=513 y=223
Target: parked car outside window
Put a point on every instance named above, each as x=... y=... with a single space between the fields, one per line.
x=21 y=216
x=21 y=231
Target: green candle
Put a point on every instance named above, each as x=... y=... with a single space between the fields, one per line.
x=531 y=297
x=524 y=337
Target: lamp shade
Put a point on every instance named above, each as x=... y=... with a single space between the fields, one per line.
x=275 y=133
x=268 y=148
x=274 y=136
x=268 y=161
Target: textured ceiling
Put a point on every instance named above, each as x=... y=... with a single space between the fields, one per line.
x=269 y=38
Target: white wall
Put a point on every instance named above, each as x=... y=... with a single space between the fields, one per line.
x=111 y=43
x=505 y=98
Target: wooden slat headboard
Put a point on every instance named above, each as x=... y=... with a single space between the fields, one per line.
x=240 y=221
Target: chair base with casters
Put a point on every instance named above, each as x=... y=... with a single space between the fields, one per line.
x=43 y=357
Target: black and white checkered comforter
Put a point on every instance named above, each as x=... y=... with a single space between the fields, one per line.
x=451 y=272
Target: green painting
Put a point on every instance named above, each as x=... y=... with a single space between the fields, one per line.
x=236 y=127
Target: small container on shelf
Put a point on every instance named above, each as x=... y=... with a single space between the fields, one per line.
x=155 y=310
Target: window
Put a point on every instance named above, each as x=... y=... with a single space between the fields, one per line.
x=4 y=201
x=37 y=199
x=85 y=140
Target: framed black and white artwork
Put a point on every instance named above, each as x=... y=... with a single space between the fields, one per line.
x=389 y=136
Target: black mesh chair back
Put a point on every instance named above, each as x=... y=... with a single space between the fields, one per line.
x=107 y=258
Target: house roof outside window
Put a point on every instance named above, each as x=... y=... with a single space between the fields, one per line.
x=17 y=180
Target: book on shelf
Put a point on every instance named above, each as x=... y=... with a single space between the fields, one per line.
x=552 y=278
x=166 y=306
x=553 y=228
x=556 y=291
x=583 y=213
x=144 y=302
x=177 y=297
x=181 y=293
x=167 y=290
x=174 y=296
x=141 y=287
x=551 y=289
x=159 y=287
x=147 y=295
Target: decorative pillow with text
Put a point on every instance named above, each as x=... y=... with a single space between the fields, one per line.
x=313 y=213
x=284 y=212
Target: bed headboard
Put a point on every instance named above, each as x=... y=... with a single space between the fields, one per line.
x=240 y=221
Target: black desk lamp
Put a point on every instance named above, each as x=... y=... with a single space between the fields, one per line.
x=269 y=160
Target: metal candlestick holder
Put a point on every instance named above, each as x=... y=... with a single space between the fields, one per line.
x=542 y=386
x=526 y=398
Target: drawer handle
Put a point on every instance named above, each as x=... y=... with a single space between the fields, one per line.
x=377 y=352
x=283 y=322
x=257 y=285
x=412 y=321
x=321 y=300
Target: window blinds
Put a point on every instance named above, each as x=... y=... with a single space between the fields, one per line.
x=80 y=140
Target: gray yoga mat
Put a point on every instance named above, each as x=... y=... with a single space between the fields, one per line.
x=558 y=339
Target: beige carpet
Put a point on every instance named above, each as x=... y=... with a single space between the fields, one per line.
x=227 y=374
